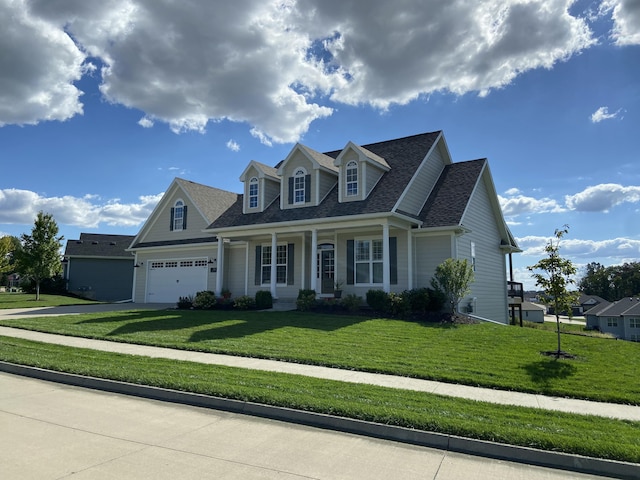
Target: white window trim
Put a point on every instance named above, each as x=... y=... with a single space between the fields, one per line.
x=299 y=174
x=256 y=196
x=177 y=207
x=351 y=165
x=371 y=261
x=265 y=265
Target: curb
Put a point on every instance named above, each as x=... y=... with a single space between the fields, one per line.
x=483 y=448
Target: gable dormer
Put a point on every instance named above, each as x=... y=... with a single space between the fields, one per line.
x=261 y=187
x=306 y=176
x=359 y=171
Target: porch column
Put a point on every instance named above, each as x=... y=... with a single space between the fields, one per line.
x=386 y=264
x=220 y=266
x=274 y=264
x=314 y=262
x=409 y=260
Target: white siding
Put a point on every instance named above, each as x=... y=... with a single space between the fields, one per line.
x=489 y=286
x=271 y=191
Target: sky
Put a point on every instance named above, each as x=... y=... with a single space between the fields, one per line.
x=103 y=103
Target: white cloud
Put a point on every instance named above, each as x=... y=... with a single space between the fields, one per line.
x=276 y=65
x=615 y=249
x=603 y=197
x=233 y=146
x=603 y=114
x=145 y=122
x=22 y=206
x=524 y=205
x=626 y=21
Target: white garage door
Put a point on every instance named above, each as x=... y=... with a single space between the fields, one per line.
x=171 y=279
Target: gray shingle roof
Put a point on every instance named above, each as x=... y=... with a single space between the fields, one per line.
x=99 y=245
x=626 y=306
x=451 y=194
x=210 y=200
x=403 y=155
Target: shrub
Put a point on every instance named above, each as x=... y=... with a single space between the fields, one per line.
x=244 y=302
x=306 y=300
x=418 y=299
x=436 y=300
x=378 y=300
x=205 y=300
x=351 y=302
x=398 y=304
x=185 y=303
x=264 y=300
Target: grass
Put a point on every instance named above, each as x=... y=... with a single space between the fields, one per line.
x=28 y=300
x=482 y=354
x=577 y=434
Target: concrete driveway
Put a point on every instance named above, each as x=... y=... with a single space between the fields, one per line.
x=53 y=431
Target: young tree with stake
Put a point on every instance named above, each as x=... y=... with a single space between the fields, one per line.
x=555 y=277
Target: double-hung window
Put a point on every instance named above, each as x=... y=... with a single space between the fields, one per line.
x=352 y=179
x=281 y=264
x=368 y=261
x=253 y=193
x=178 y=215
x=299 y=186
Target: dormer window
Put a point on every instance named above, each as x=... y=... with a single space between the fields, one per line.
x=178 y=216
x=352 y=178
x=253 y=193
x=299 y=186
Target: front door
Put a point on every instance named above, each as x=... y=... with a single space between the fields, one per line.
x=327 y=270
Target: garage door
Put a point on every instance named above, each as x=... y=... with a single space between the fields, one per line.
x=171 y=279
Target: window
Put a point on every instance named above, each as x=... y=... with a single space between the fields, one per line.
x=352 y=178
x=253 y=193
x=299 y=186
x=368 y=261
x=281 y=264
x=634 y=322
x=612 y=322
x=634 y=338
x=178 y=216
x=473 y=256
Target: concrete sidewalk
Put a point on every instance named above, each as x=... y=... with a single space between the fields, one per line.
x=617 y=411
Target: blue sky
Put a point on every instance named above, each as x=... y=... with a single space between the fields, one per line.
x=102 y=105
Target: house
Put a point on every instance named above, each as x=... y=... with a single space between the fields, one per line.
x=99 y=267
x=378 y=216
x=621 y=318
x=587 y=302
x=533 y=312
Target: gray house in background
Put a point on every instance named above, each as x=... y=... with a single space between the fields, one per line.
x=98 y=267
x=621 y=318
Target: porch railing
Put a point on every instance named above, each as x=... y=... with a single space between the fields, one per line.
x=515 y=290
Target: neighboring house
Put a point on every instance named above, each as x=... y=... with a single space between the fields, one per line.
x=379 y=216
x=533 y=312
x=587 y=302
x=621 y=318
x=99 y=267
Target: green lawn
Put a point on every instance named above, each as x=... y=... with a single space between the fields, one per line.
x=28 y=300
x=584 y=435
x=483 y=354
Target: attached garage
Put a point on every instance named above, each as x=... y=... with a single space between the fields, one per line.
x=168 y=280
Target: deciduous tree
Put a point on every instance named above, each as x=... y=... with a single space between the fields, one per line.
x=554 y=277
x=39 y=257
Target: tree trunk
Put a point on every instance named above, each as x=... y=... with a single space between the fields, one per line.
x=37 y=291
